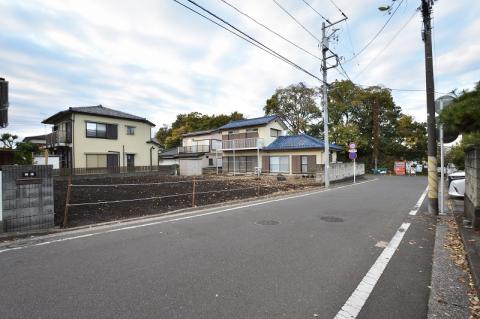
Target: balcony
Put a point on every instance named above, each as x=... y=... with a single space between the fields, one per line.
x=194 y=149
x=242 y=144
x=58 y=138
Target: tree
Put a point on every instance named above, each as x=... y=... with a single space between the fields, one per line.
x=456 y=154
x=412 y=136
x=172 y=136
x=296 y=106
x=351 y=119
x=463 y=114
x=8 y=140
x=24 y=153
x=162 y=133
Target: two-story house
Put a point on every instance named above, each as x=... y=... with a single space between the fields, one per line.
x=262 y=143
x=243 y=141
x=100 y=137
x=200 y=150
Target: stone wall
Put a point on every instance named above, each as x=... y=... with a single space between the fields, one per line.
x=339 y=171
x=27 y=197
x=472 y=185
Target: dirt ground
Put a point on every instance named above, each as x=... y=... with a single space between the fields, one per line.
x=208 y=190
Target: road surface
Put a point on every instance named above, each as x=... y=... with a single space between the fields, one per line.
x=306 y=256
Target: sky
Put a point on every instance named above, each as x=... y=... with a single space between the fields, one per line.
x=156 y=59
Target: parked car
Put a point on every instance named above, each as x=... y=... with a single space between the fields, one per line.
x=457 y=188
x=455 y=176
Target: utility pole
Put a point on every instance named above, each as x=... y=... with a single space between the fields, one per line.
x=324 y=68
x=326 y=154
x=376 y=131
x=430 y=88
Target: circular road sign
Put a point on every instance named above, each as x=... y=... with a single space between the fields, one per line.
x=442 y=102
x=352 y=145
x=352 y=156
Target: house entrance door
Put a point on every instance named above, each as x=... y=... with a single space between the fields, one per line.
x=112 y=162
x=130 y=161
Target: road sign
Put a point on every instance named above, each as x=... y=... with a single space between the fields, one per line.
x=352 y=145
x=442 y=102
x=352 y=155
x=352 y=150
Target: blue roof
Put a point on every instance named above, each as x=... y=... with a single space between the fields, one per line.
x=297 y=142
x=250 y=122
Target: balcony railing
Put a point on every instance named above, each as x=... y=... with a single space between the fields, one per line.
x=58 y=137
x=244 y=143
x=194 y=149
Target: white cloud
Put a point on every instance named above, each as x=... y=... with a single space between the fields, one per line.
x=156 y=59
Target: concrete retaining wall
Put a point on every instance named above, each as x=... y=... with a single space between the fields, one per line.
x=339 y=171
x=27 y=197
x=472 y=185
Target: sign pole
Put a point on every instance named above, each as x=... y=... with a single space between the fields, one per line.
x=354 y=171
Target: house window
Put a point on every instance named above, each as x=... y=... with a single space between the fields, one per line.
x=252 y=129
x=279 y=164
x=210 y=162
x=96 y=130
x=304 y=164
x=101 y=130
x=274 y=132
x=96 y=160
x=130 y=130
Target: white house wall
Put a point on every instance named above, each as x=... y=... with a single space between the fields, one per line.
x=124 y=144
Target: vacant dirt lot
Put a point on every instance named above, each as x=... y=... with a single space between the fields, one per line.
x=207 y=191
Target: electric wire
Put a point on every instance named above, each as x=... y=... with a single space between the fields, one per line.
x=298 y=22
x=338 y=8
x=308 y=4
x=376 y=35
x=245 y=37
x=269 y=29
x=349 y=37
x=387 y=45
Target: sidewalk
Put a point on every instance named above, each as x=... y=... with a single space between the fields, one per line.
x=453 y=293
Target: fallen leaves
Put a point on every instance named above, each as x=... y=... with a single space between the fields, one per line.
x=454 y=244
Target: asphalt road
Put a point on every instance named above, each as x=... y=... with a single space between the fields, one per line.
x=295 y=258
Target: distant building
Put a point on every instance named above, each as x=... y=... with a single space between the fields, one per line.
x=100 y=137
x=250 y=145
x=39 y=140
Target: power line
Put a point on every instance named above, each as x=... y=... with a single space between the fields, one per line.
x=338 y=8
x=308 y=4
x=245 y=37
x=344 y=72
x=269 y=29
x=376 y=35
x=349 y=37
x=387 y=45
x=298 y=22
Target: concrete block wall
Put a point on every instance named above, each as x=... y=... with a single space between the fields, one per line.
x=27 y=202
x=472 y=185
x=339 y=171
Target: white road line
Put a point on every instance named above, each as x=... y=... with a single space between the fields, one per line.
x=415 y=209
x=355 y=303
x=193 y=215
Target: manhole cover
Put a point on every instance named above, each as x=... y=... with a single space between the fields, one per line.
x=267 y=222
x=331 y=219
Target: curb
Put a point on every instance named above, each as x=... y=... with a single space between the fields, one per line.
x=472 y=248
x=448 y=296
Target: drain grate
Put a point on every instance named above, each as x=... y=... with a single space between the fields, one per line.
x=332 y=219
x=267 y=222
